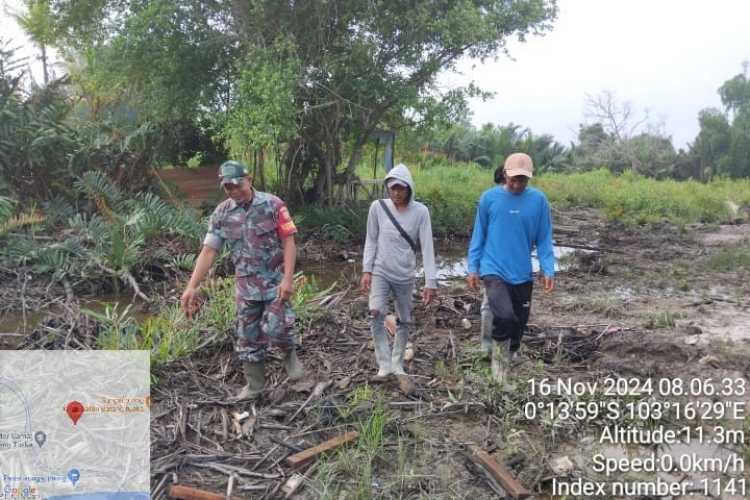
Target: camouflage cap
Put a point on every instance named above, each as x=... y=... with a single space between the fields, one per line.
x=232 y=172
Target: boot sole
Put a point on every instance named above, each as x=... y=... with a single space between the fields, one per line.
x=381 y=380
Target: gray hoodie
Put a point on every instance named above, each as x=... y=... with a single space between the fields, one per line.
x=387 y=253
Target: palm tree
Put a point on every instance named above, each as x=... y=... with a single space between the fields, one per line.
x=39 y=25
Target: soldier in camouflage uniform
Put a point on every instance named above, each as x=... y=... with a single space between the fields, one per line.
x=260 y=234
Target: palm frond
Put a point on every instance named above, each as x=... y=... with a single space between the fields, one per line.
x=21 y=220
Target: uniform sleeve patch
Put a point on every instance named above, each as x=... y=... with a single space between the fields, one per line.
x=285 y=226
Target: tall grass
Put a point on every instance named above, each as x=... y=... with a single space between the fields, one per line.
x=452 y=191
x=634 y=199
x=340 y=224
x=349 y=473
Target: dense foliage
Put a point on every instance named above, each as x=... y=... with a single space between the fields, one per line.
x=308 y=81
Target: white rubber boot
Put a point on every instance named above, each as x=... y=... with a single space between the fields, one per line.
x=399 y=347
x=405 y=384
x=382 y=356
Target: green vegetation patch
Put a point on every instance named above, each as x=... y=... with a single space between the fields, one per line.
x=451 y=191
x=169 y=335
x=633 y=199
x=731 y=259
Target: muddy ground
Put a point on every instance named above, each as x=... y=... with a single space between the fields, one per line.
x=637 y=305
x=650 y=305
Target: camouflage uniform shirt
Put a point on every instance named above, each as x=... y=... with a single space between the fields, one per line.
x=254 y=237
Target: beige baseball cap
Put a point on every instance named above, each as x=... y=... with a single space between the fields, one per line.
x=518 y=164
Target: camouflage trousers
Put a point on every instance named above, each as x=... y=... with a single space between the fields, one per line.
x=261 y=324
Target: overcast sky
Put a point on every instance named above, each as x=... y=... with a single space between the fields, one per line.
x=669 y=56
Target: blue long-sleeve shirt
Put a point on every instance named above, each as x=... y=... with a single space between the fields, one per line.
x=506 y=228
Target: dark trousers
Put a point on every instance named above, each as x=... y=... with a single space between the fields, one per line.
x=510 y=306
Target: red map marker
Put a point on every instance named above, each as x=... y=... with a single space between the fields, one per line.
x=74 y=411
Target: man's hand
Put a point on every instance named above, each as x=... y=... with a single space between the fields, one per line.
x=189 y=301
x=428 y=295
x=473 y=281
x=365 y=282
x=285 y=289
x=548 y=283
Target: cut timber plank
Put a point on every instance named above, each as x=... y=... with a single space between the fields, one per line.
x=502 y=475
x=188 y=493
x=304 y=457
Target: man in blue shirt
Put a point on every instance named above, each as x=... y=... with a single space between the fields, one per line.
x=511 y=219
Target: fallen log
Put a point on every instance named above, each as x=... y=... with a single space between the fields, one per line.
x=188 y=493
x=306 y=456
x=500 y=473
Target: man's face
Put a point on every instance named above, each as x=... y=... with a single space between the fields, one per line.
x=399 y=194
x=241 y=192
x=516 y=184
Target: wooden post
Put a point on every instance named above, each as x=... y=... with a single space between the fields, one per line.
x=306 y=456
x=500 y=473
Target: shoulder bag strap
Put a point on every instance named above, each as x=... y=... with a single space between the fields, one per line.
x=398 y=226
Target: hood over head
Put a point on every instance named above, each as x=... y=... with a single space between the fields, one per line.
x=401 y=173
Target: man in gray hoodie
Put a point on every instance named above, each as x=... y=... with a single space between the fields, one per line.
x=394 y=226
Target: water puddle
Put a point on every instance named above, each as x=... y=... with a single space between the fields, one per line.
x=452 y=262
x=15 y=326
x=330 y=272
x=451 y=265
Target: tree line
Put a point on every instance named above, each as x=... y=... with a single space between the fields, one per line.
x=300 y=88
x=304 y=82
x=612 y=137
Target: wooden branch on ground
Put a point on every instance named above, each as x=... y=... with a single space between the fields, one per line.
x=126 y=277
x=305 y=457
x=230 y=485
x=129 y=278
x=499 y=472
x=320 y=387
x=188 y=493
x=587 y=247
x=569 y=230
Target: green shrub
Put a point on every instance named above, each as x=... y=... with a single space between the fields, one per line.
x=730 y=260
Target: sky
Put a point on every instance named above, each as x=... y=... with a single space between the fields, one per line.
x=665 y=56
x=10 y=32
